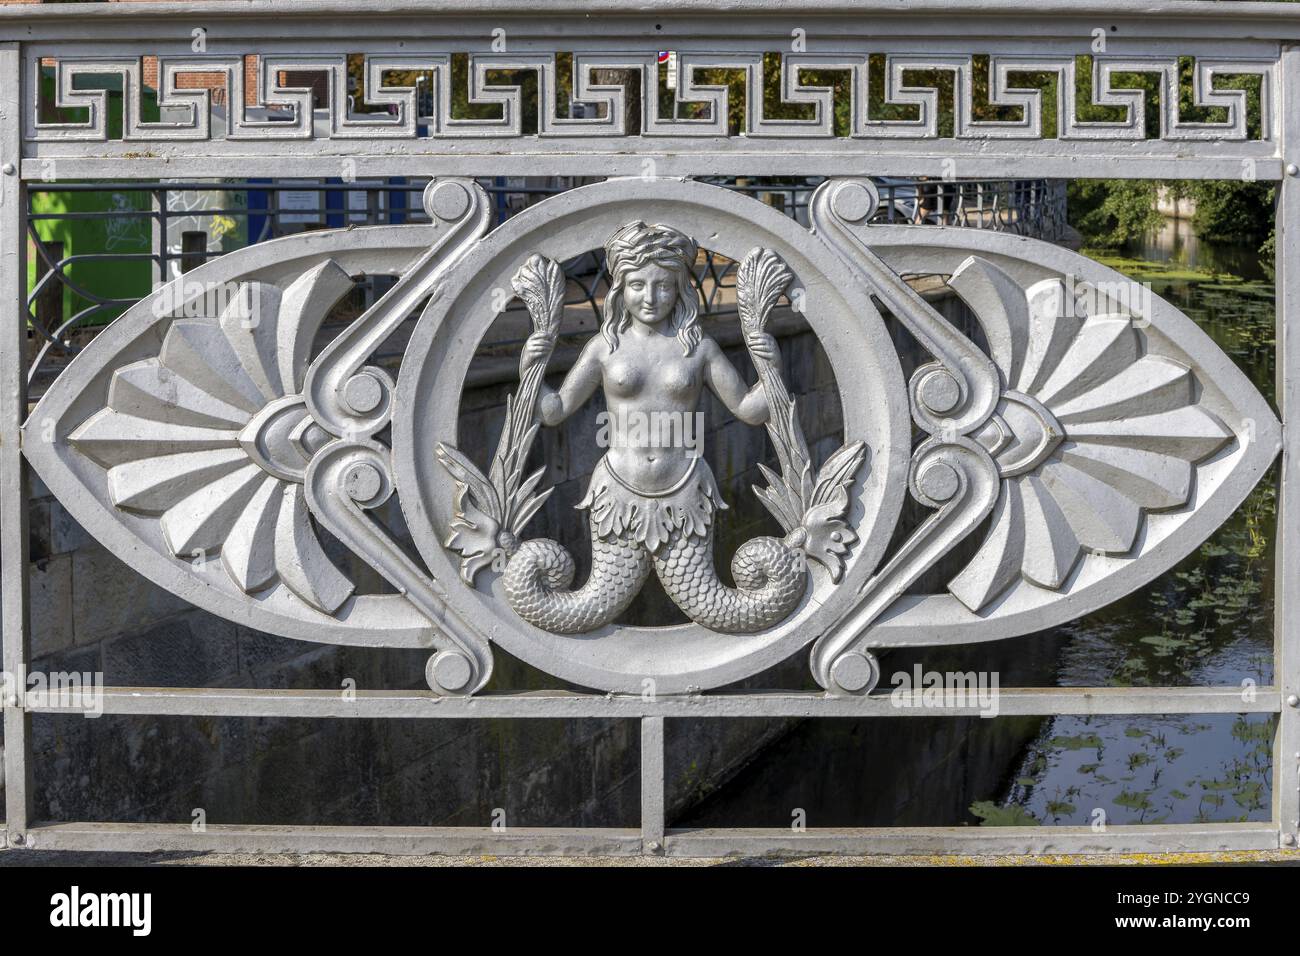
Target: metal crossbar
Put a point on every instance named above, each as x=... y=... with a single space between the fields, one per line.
x=1257 y=39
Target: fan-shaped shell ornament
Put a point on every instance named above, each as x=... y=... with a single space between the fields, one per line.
x=213 y=436
x=1091 y=431
x=1099 y=432
x=182 y=438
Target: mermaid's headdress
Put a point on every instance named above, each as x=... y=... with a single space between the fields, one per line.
x=636 y=244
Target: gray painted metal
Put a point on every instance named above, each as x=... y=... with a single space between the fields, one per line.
x=462 y=841
x=1188 y=838
x=13 y=472
x=1286 y=664
x=299 y=439
x=652 y=784
x=405 y=841
x=673 y=659
x=1152 y=37
x=219 y=702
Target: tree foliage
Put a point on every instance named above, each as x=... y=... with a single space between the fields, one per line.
x=1110 y=213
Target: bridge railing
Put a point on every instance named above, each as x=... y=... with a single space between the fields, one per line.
x=938 y=91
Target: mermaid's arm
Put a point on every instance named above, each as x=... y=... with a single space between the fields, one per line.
x=583 y=379
x=749 y=405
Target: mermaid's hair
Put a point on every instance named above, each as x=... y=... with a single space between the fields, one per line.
x=635 y=246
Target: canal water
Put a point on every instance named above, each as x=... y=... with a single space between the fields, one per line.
x=1209 y=621
x=1206 y=622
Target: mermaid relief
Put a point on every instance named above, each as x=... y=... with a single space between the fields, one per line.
x=652 y=501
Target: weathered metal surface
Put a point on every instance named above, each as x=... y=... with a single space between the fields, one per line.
x=404 y=841
x=704 y=843
x=1190 y=837
x=1106 y=436
x=652 y=784
x=218 y=702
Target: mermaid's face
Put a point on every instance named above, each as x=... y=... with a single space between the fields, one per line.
x=650 y=293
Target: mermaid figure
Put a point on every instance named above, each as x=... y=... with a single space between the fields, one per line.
x=652 y=500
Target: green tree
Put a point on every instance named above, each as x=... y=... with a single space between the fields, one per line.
x=1112 y=212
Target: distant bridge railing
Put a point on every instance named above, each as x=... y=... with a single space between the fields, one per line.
x=181 y=235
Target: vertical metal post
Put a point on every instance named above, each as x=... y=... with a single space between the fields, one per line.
x=160 y=247
x=652 y=784
x=13 y=471
x=1286 y=644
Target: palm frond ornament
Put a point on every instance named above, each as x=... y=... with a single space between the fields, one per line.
x=492 y=510
x=809 y=507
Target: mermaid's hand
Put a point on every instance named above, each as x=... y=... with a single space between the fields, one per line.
x=762 y=346
x=536 y=349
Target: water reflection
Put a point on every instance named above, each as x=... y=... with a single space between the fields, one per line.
x=1175 y=243
x=1150 y=769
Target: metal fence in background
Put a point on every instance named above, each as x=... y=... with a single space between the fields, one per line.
x=1033 y=208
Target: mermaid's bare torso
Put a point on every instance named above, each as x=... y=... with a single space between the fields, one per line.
x=651 y=378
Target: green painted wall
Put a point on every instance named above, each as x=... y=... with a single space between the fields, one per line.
x=120 y=278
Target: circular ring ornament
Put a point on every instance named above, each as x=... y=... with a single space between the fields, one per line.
x=839 y=309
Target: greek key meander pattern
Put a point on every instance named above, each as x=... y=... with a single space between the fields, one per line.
x=611 y=98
